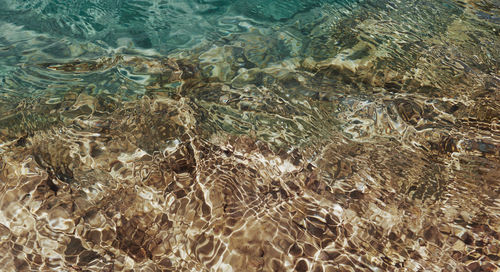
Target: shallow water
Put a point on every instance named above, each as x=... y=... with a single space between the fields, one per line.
x=249 y=135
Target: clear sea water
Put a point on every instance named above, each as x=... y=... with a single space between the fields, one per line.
x=249 y=135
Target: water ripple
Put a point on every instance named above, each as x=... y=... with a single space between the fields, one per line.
x=215 y=135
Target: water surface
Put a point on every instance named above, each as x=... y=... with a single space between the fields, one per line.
x=249 y=135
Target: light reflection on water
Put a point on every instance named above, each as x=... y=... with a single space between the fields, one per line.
x=249 y=135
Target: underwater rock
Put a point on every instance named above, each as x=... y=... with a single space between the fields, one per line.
x=361 y=135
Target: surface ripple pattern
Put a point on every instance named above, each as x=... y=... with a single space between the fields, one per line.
x=249 y=135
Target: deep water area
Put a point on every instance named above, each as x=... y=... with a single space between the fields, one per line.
x=239 y=135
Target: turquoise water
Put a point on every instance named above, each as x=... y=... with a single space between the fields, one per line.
x=205 y=135
x=36 y=32
x=159 y=25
